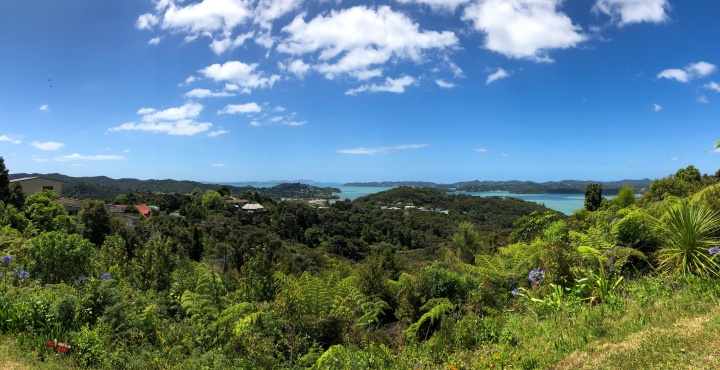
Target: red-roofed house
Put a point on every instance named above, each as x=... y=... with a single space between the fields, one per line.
x=144 y=210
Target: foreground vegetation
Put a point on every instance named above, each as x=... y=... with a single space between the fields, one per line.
x=494 y=283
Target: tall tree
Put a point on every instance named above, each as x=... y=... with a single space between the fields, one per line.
x=96 y=218
x=4 y=182
x=593 y=196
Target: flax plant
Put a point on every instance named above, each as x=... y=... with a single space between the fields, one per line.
x=690 y=231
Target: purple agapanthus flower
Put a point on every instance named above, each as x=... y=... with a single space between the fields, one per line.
x=5 y=260
x=106 y=276
x=714 y=250
x=536 y=275
x=82 y=279
x=516 y=292
x=22 y=274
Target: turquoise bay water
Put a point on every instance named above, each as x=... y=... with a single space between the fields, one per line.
x=565 y=203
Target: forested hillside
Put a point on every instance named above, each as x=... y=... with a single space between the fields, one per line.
x=407 y=278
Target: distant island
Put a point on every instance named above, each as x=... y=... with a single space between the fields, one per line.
x=517 y=187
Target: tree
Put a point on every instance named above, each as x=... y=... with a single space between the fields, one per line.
x=17 y=196
x=593 y=196
x=41 y=209
x=4 y=182
x=96 y=218
x=689 y=174
x=211 y=199
x=57 y=256
x=625 y=197
x=467 y=242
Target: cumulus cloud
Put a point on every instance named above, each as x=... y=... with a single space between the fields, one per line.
x=656 y=107
x=633 y=11
x=44 y=108
x=269 y=10
x=691 y=71
x=48 y=145
x=438 y=5
x=154 y=41
x=78 y=157
x=359 y=40
x=702 y=99
x=481 y=150
x=240 y=108
x=217 y=133
x=499 y=74
x=205 y=93
x=712 y=85
x=396 y=85
x=444 y=84
x=10 y=139
x=220 y=46
x=171 y=121
x=239 y=73
x=524 y=29
x=296 y=67
x=381 y=150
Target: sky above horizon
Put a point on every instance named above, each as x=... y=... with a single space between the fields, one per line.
x=341 y=91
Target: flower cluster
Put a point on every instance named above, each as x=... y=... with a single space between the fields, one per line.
x=5 y=260
x=106 y=276
x=82 y=279
x=22 y=274
x=536 y=275
x=714 y=250
x=516 y=292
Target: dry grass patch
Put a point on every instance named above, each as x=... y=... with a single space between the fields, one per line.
x=689 y=343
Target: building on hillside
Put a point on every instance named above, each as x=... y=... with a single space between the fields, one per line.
x=144 y=210
x=237 y=202
x=31 y=185
x=72 y=206
x=254 y=208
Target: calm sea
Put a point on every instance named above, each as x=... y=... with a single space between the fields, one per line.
x=565 y=203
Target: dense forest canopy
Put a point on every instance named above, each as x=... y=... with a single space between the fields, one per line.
x=405 y=278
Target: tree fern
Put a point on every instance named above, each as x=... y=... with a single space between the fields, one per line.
x=440 y=307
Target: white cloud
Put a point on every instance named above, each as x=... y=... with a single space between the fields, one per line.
x=523 y=29
x=656 y=107
x=712 y=85
x=227 y=43
x=48 y=145
x=241 y=108
x=255 y=123
x=296 y=67
x=205 y=93
x=218 y=165
x=381 y=150
x=146 y=22
x=500 y=73
x=674 y=159
x=171 y=121
x=277 y=119
x=294 y=123
x=44 y=108
x=701 y=69
x=481 y=150
x=270 y=10
x=634 y=11
x=217 y=133
x=78 y=157
x=702 y=99
x=239 y=73
x=126 y=151
x=444 y=84
x=438 y=5
x=358 y=40
x=691 y=71
x=154 y=41
x=203 y=17
x=396 y=85
x=10 y=139
x=676 y=74
x=231 y=87
x=188 y=81
x=279 y=109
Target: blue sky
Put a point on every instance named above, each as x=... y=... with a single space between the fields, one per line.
x=433 y=90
